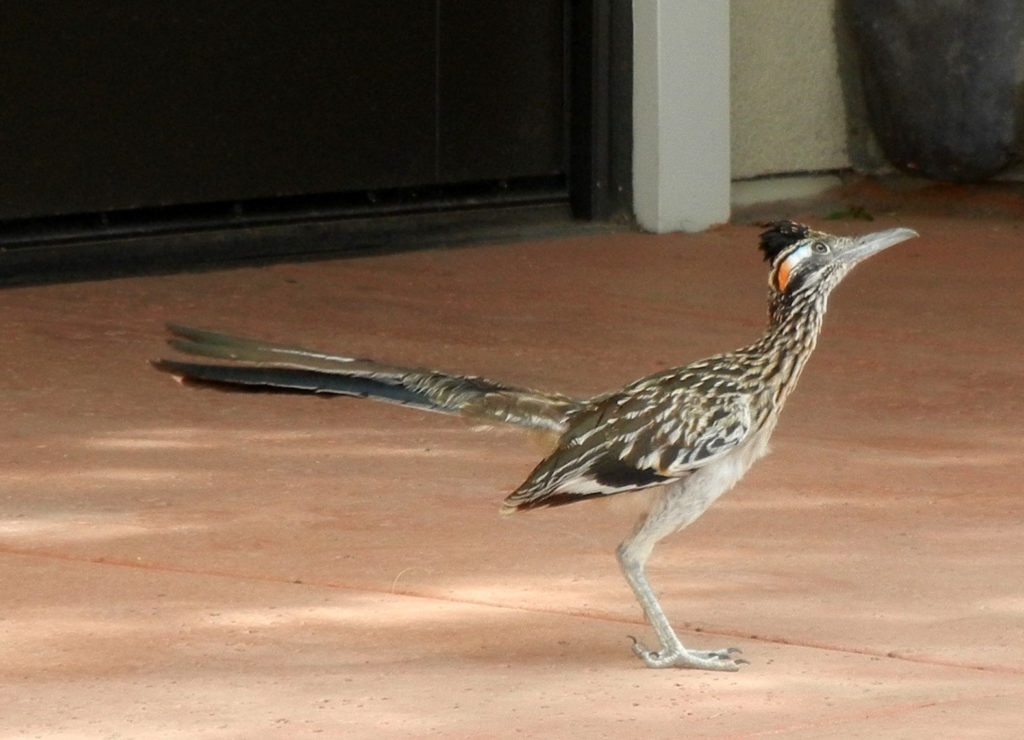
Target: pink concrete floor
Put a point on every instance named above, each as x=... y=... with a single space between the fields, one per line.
x=179 y=562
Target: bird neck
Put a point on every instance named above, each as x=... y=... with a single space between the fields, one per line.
x=794 y=321
x=796 y=318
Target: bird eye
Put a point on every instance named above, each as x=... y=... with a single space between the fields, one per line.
x=820 y=247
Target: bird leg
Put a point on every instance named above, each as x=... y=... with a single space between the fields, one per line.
x=672 y=512
x=671 y=651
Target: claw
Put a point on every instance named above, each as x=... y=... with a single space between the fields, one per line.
x=713 y=660
x=639 y=649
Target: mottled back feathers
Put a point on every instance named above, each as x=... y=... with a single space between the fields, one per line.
x=655 y=430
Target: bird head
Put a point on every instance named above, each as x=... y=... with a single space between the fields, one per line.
x=803 y=259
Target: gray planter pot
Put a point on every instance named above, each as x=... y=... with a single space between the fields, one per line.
x=941 y=81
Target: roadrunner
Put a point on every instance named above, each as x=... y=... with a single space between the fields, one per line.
x=693 y=431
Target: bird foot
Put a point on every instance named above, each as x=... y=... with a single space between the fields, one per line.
x=679 y=657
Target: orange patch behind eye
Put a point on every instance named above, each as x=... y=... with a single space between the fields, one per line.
x=782 y=276
x=786 y=267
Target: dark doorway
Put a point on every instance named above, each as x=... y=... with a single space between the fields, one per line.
x=123 y=119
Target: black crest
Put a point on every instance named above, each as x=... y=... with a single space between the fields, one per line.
x=779 y=235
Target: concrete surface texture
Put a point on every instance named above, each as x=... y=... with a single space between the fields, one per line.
x=179 y=562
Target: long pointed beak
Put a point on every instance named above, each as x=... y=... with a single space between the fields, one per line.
x=869 y=244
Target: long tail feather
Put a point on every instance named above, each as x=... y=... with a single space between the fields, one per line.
x=290 y=367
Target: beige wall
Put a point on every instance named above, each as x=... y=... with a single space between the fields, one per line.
x=787 y=109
